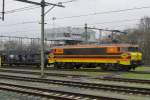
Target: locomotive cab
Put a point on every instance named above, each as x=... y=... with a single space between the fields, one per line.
x=136 y=56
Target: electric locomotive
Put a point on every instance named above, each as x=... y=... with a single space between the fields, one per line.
x=108 y=56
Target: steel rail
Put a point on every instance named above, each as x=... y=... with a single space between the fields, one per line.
x=109 y=78
x=82 y=70
x=38 y=73
x=129 y=80
x=85 y=85
x=51 y=93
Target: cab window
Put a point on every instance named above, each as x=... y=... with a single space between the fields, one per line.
x=129 y=49
x=123 y=49
x=133 y=49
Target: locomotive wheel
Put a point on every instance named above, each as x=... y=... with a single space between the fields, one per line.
x=108 y=67
x=126 y=69
x=111 y=67
x=78 y=67
x=57 y=66
x=123 y=68
x=104 y=68
x=66 y=66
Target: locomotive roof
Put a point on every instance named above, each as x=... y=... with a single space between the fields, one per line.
x=96 y=46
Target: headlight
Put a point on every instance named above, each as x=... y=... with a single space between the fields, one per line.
x=124 y=55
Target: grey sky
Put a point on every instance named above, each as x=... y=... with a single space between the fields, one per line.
x=78 y=7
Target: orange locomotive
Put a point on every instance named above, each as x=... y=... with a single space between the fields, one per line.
x=108 y=57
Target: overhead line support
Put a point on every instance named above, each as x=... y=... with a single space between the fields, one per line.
x=86 y=33
x=3 y=10
x=42 y=4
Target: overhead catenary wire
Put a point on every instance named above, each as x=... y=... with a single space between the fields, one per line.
x=37 y=22
x=20 y=23
x=49 y=10
x=117 y=21
x=77 y=16
x=101 y=24
x=21 y=32
x=105 y=12
x=37 y=31
x=110 y=22
x=81 y=26
x=30 y=8
x=69 y=1
x=21 y=9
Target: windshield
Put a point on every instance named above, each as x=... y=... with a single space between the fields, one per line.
x=133 y=49
x=130 y=49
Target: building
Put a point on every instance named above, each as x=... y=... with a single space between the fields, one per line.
x=69 y=35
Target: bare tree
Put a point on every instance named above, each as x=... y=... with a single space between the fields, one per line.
x=144 y=27
x=140 y=36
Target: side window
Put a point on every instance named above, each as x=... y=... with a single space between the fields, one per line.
x=59 y=51
x=123 y=49
x=133 y=49
x=112 y=50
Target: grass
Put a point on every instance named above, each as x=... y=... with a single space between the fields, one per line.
x=136 y=75
x=143 y=68
x=123 y=74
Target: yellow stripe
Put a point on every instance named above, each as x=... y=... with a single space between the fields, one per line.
x=88 y=60
x=92 y=60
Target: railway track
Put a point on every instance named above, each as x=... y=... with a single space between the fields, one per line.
x=51 y=93
x=38 y=73
x=85 y=85
x=140 y=72
x=105 y=78
x=141 y=81
x=81 y=70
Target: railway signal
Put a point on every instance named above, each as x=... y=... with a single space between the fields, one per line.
x=43 y=4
